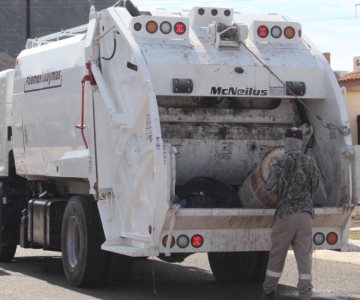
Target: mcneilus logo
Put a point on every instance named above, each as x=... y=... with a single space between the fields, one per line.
x=233 y=91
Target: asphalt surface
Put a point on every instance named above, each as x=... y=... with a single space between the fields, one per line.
x=35 y=274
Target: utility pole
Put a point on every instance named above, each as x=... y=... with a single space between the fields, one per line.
x=28 y=19
x=356 y=6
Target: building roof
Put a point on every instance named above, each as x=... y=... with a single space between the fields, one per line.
x=353 y=77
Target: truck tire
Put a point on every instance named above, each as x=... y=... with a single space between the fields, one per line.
x=262 y=258
x=232 y=267
x=119 y=269
x=83 y=260
x=7 y=253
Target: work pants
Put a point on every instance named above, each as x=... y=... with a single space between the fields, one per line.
x=295 y=230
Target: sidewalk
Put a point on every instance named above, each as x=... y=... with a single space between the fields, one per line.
x=349 y=254
x=354 y=233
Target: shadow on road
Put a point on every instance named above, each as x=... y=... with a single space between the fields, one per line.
x=150 y=279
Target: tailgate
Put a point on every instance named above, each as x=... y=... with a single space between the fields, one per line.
x=226 y=230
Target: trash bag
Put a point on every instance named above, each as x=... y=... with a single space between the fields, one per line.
x=204 y=192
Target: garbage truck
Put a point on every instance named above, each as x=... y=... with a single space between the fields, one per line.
x=151 y=133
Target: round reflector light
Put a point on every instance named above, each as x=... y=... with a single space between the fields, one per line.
x=164 y=241
x=289 y=32
x=137 y=26
x=332 y=238
x=197 y=241
x=276 y=32
x=151 y=27
x=263 y=31
x=201 y=11
x=180 y=28
x=183 y=241
x=319 y=238
x=227 y=12
x=214 y=12
x=165 y=27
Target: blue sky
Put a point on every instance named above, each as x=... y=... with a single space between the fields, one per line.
x=330 y=24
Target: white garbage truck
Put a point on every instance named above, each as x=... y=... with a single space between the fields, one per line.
x=150 y=133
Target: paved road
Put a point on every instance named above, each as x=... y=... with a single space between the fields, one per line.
x=38 y=275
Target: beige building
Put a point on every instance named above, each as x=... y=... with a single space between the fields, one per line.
x=351 y=82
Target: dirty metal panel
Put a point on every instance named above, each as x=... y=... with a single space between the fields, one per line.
x=283 y=114
x=187 y=219
x=223 y=138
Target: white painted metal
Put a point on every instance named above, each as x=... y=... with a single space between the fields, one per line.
x=143 y=139
x=6 y=88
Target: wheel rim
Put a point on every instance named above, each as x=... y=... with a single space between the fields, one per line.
x=73 y=242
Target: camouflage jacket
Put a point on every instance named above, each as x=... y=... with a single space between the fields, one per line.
x=294 y=177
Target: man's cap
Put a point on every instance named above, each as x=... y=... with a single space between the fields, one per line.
x=294 y=132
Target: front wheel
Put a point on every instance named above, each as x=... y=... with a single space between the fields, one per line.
x=232 y=267
x=7 y=253
x=81 y=237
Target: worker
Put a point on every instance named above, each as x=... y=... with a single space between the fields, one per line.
x=294 y=177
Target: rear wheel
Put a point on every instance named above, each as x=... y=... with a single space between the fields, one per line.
x=81 y=238
x=232 y=267
x=7 y=253
x=262 y=258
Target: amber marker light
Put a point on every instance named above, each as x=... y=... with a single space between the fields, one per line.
x=151 y=27
x=165 y=239
x=289 y=32
x=332 y=238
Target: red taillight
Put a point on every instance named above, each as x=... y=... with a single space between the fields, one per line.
x=197 y=241
x=180 y=28
x=263 y=31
